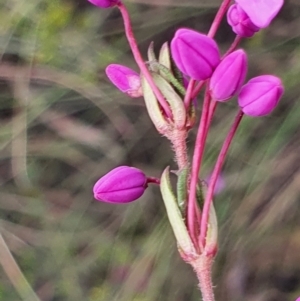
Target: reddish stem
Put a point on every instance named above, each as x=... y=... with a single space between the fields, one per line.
x=215 y=175
x=189 y=92
x=139 y=60
x=202 y=266
x=218 y=18
x=153 y=180
x=212 y=109
x=198 y=89
x=197 y=159
x=232 y=47
x=208 y=111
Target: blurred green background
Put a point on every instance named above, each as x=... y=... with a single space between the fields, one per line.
x=63 y=125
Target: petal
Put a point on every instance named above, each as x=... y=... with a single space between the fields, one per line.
x=261 y=12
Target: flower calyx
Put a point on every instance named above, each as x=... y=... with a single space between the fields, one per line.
x=172 y=90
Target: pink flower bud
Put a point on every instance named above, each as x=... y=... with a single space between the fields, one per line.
x=195 y=54
x=125 y=79
x=229 y=76
x=104 y=3
x=240 y=22
x=260 y=95
x=123 y=184
x=261 y=12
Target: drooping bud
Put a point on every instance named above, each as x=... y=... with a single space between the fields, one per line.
x=123 y=184
x=125 y=79
x=260 y=95
x=229 y=76
x=104 y=3
x=240 y=22
x=196 y=55
x=261 y=12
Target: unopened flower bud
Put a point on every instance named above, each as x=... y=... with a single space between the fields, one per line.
x=261 y=12
x=125 y=79
x=240 y=22
x=260 y=95
x=195 y=54
x=123 y=184
x=104 y=3
x=229 y=76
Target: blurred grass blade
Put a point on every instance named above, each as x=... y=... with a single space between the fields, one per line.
x=15 y=274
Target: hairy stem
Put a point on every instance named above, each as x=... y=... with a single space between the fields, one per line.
x=178 y=140
x=203 y=267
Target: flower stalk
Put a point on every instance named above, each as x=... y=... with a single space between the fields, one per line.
x=215 y=175
x=139 y=60
x=196 y=163
x=203 y=269
x=170 y=97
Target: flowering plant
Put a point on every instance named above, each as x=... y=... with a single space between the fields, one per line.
x=169 y=85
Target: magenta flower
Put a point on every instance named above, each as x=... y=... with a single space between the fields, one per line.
x=229 y=76
x=123 y=184
x=125 y=79
x=240 y=22
x=195 y=54
x=105 y=3
x=260 y=95
x=261 y=12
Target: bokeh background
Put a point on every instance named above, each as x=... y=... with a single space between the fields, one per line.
x=63 y=125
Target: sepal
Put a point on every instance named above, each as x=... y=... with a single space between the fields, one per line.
x=180 y=231
x=212 y=233
x=174 y=100
x=164 y=56
x=153 y=108
x=152 y=60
